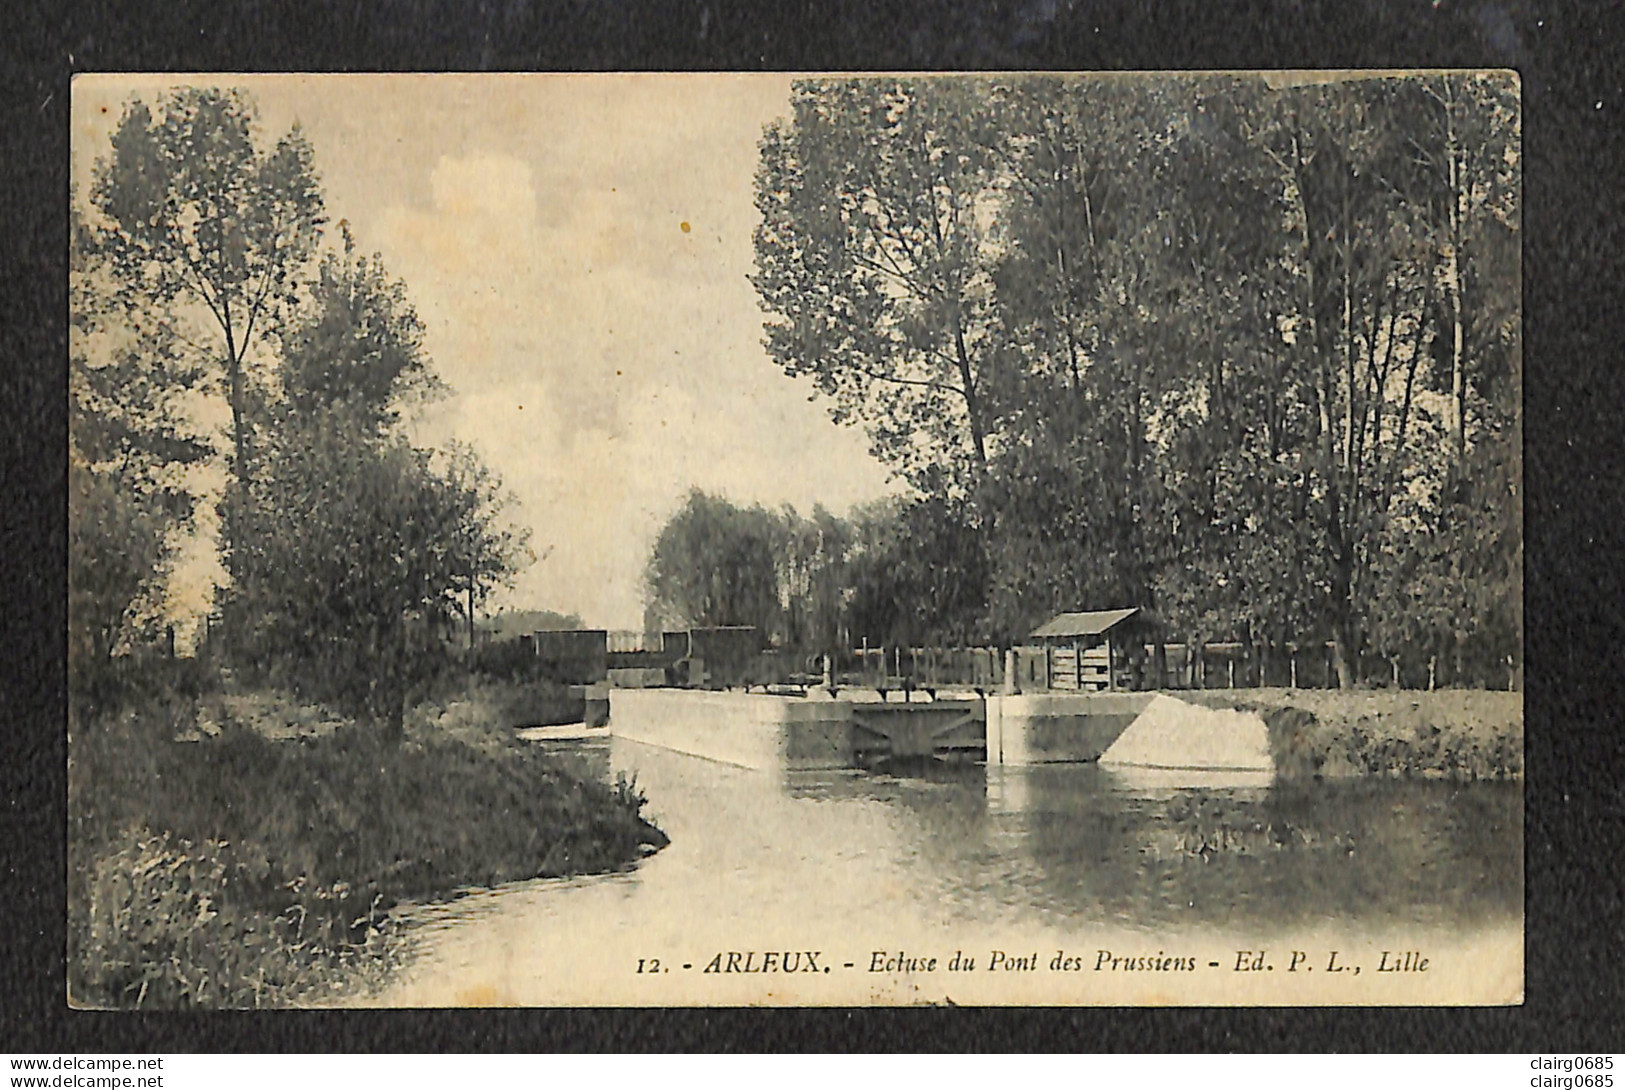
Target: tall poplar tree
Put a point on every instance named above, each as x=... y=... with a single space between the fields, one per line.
x=872 y=264
x=201 y=221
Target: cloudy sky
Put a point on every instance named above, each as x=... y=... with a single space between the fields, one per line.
x=578 y=248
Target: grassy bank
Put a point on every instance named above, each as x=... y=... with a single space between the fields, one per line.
x=1338 y=733
x=470 y=711
x=233 y=868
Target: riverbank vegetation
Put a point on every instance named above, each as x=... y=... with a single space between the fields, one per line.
x=231 y=869
x=242 y=820
x=1243 y=351
x=1455 y=734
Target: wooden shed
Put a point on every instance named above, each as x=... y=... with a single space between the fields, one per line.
x=1093 y=649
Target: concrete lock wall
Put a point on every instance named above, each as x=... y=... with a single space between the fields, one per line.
x=818 y=733
x=1172 y=734
x=1124 y=730
x=1037 y=728
x=750 y=730
x=1142 y=730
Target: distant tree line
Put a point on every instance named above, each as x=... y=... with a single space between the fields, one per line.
x=1243 y=350
x=199 y=276
x=513 y=623
x=890 y=572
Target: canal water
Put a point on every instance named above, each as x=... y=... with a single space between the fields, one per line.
x=876 y=873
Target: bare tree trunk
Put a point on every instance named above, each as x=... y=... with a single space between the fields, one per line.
x=1458 y=385
x=1340 y=659
x=973 y=407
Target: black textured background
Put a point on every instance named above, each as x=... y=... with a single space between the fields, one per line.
x=1570 y=57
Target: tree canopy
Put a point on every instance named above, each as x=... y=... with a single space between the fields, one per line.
x=352 y=551
x=360 y=550
x=1240 y=350
x=196 y=214
x=130 y=445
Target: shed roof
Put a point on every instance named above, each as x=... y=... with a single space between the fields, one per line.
x=1091 y=623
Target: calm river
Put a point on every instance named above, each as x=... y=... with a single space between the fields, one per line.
x=1058 y=860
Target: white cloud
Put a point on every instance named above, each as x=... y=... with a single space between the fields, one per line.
x=495 y=188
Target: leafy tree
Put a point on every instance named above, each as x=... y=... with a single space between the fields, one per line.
x=1125 y=289
x=364 y=550
x=896 y=571
x=129 y=445
x=812 y=579
x=919 y=574
x=351 y=550
x=1245 y=350
x=199 y=220
x=1469 y=147
x=1077 y=161
x=485 y=549
x=872 y=264
x=360 y=561
x=117 y=549
x=1470 y=581
x=715 y=564
x=363 y=347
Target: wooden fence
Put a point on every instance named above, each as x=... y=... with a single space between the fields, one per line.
x=1220 y=665
x=926 y=668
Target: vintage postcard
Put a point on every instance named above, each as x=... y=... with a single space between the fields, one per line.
x=823 y=539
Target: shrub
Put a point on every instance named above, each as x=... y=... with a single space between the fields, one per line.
x=1308 y=744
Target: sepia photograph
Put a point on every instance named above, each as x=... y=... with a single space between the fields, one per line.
x=667 y=540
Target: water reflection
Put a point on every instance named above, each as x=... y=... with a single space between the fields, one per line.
x=1381 y=853
x=1064 y=854
x=1153 y=848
